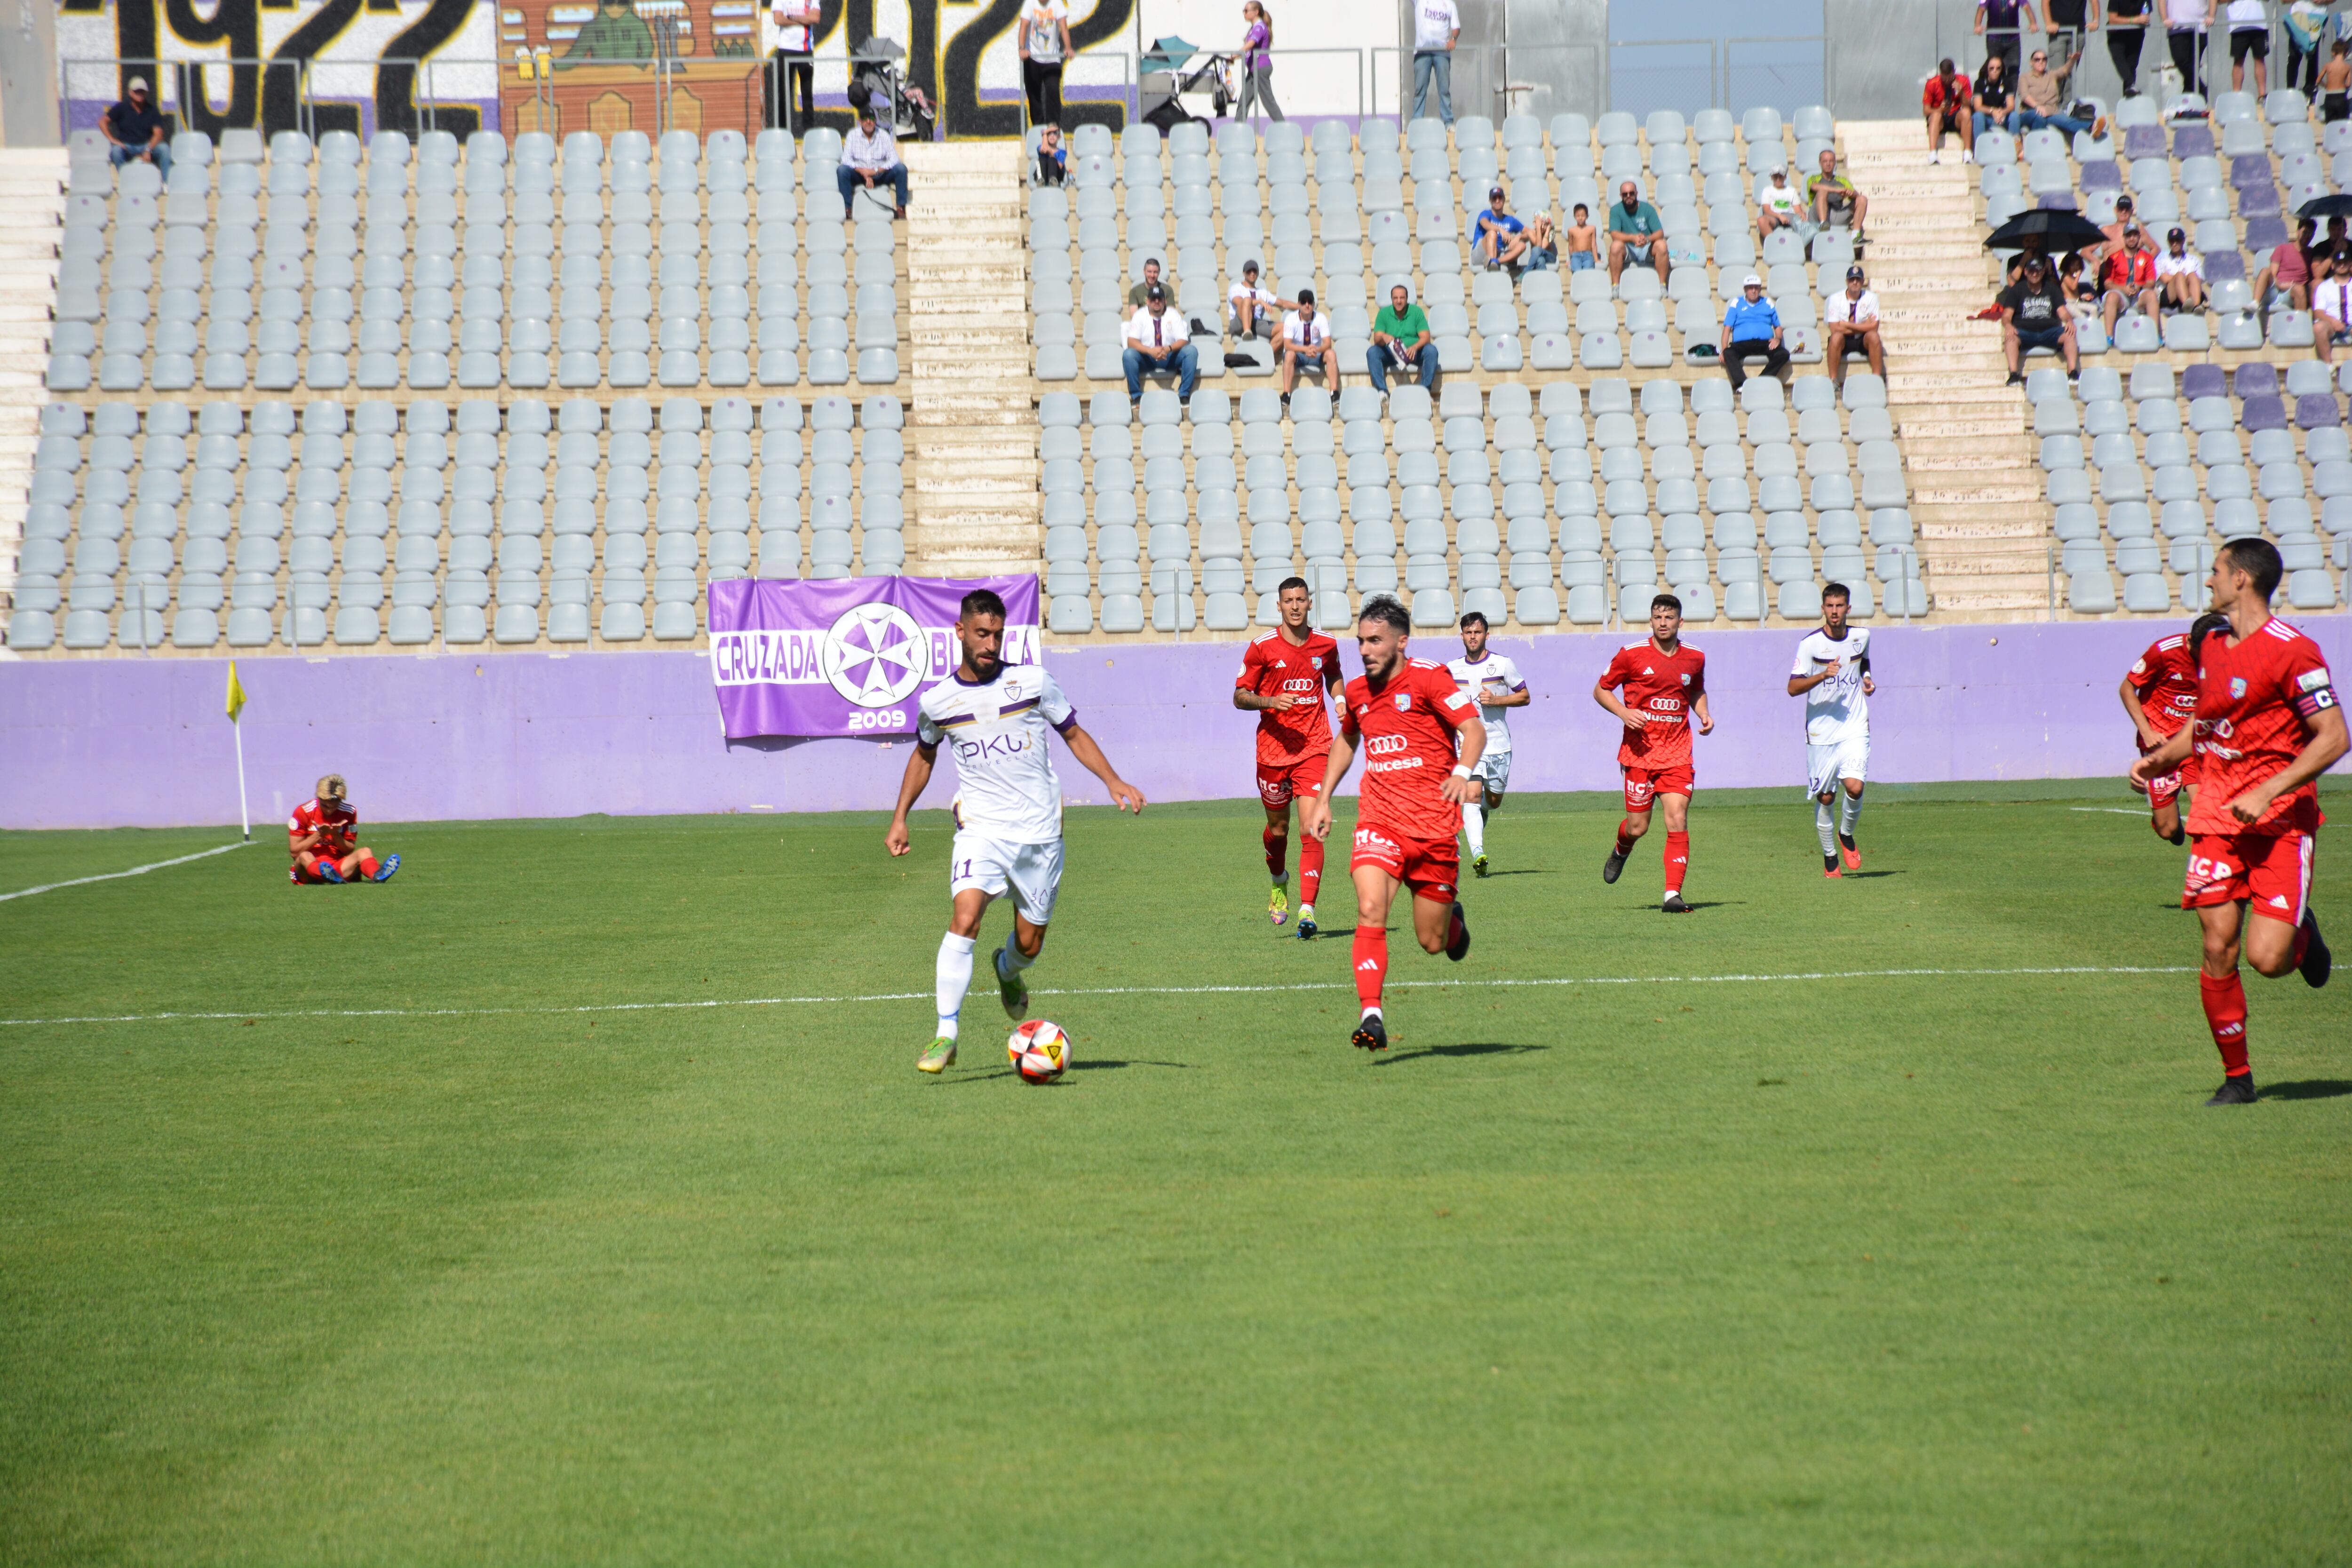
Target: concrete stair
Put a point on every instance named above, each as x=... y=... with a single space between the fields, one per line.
x=972 y=425
x=32 y=215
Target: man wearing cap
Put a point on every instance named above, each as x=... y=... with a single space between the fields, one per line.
x=133 y=130
x=1636 y=234
x=1256 y=310
x=2129 y=278
x=1778 y=207
x=1156 y=341
x=1850 y=321
x=1307 y=336
x=2181 y=273
x=2033 y=315
x=1401 y=341
x=1750 y=327
x=1502 y=239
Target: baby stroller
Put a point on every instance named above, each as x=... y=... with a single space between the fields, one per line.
x=876 y=79
x=1170 y=71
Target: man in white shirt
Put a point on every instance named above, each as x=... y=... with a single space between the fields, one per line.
x=1833 y=675
x=2185 y=24
x=1156 y=343
x=1306 y=335
x=1849 y=324
x=1255 y=311
x=1498 y=686
x=869 y=157
x=792 y=87
x=1778 y=206
x=2181 y=273
x=1008 y=807
x=2250 y=34
x=1436 y=24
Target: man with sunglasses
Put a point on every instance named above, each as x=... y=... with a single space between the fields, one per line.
x=2042 y=97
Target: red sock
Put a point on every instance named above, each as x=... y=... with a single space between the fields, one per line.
x=1624 y=837
x=368 y=866
x=1677 y=860
x=1310 y=869
x=2225 y=1014
x=2302 y=941
x=1277 y=852
x=1372 y=955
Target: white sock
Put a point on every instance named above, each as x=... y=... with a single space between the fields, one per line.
x=1011 y=960
x=1369 y=1013
x=1849 y=813
x=1825 y=822
x=1473 y=826
x=954 y=980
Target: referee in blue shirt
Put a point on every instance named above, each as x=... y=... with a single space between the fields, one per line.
x=1750 y=327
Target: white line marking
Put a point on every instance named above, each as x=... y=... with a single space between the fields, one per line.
x=110 y=875
x=2112 y=810
x=1098 y=991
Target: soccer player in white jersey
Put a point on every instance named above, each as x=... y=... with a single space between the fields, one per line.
x=1008 y=807
x=1496 y=682
x=1833 y=675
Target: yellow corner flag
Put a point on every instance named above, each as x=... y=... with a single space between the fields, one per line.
x=235 y=693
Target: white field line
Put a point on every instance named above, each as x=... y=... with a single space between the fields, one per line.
x=2111 y=810
x=110 y=875
x=1104 y=991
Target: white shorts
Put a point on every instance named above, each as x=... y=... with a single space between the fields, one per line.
x=1826 y=765
x=1033 y=871
x=1494 y=771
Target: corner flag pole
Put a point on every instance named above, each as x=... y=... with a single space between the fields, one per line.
x=236 y=705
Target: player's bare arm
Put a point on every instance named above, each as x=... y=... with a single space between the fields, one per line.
x=1801 y=684
x=1315 y=816
x=1518 y=699
x=1123 y=795
x=1706 y=718
x=1459 y=786
x=1606 y=695
x=1264 y=701
x=2326 y=747
x=2130 y=695
x=910 y=789
x=2168 y=756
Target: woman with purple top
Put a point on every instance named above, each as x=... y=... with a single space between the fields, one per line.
x=1257 y=63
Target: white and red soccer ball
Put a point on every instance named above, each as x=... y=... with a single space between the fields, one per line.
x=1040 y=1051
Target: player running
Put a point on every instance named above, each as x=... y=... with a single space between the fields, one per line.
x=1496 y=682
x=1008 y=807
x=2160 y=694
x=1664 y=682
x=1833 y=675
x=320 y=834
x=2266 y=724
x=1409 y=715
x=1285 y=674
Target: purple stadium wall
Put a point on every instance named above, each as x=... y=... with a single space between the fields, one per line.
x=143 y=742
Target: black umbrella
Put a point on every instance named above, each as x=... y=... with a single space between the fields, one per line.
x=2060 y=230
x=2324 y=207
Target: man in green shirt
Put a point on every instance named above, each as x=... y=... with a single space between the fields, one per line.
x=1636 y=234
x=1835 y=202
x=1401 y=342
x=1137 y=296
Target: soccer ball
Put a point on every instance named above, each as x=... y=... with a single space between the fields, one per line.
x=1040 y=1051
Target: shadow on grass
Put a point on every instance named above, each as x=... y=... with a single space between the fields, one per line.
x=1476 y=1048
x=1523 y=871
x=1105 y=1066
x=2307 y=1088
x=1871 y=876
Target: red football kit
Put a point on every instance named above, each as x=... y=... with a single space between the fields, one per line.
x=2166 y=684
x=2255 y=706
x=1405 y=731
x=1656 y=758
x=1293 y=745
x=338 y=821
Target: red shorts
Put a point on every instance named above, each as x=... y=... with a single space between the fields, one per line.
x=1642 y=784
x=2159 y=790
x=1432 y=867
x=2270 y=870
x=1279 y=783
x=308 y=878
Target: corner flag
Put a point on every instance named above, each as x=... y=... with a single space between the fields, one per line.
x=236 y=705
x=235 y=693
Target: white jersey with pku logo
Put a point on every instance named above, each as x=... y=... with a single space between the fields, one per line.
x=1836 y=710
x=1487 y=679
x=999 y=731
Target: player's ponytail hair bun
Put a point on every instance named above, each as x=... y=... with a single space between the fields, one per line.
x=332 y=787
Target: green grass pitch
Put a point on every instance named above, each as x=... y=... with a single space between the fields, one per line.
x=1931 y=1268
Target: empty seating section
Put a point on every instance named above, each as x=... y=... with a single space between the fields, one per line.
x=2149 y=468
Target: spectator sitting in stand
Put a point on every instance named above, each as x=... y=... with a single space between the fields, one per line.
x=869 y=157
x=1542 y=254
x=1945 y=102
x=1851 y=325
x=1140 y=294
x=2124 y=217
x=2288 y=272
x=1833 y=201
x=1751 y=327
x=1156 y=341
x=2129 y=277
x=1778 y=206
x=2181 y=273
x=1636 y=234
x=2075 y=282
x=134 y=131
x=1053 y=161
x=1995 y=96
x=1501 y=238
x=2041 y=98
x=1401 y=341
x=2033 y=315
x=1306 y=337
x=1253 y=310
x=2331 y=302
x=1582 y=240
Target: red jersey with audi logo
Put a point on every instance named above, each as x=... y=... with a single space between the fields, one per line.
x=2166 y=683
x=2256 y=704
x=1405 y=731
x=1662 y=686
x=1273 y=663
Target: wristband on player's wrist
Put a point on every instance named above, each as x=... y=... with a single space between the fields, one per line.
x=1460 y=772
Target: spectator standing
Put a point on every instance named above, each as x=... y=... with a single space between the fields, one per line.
x=1778 y=207
x=1995 y=96
x=2033 y=315
x=1257 y=61
x=2308 y=26
x=1306 y=335
x=2129 y=277
x=1751 y=328
x=1157 y=341
x=791 y=80
x=869 y=157
x=2126 y=36
x=2250 y=37
x=1635 y=234
x=1044 y=32
x=1850 y=322
x=1945 y=102
x=2066 y=24
x=2335 y=83
x=2185 y=25
x=1437 y=25
x=134 y=131
x=1582 y=238
x=1401 y=341
x=2042 y=98
x=2181 y=273
x=1140 y=294
x=1255 y=311
x=2288 y=272
x=1502 y=239
x=2331 y=302
x=1833 y=201
x=1999 y=25
x=1053 y=166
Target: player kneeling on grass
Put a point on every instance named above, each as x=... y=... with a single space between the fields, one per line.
x=320 y=834
x=2266 y=725
x=1407 y=715
x=1664 y=682
x=1833 y=675
x=1496 y=686
x=1008 y=807
x=2160 y=693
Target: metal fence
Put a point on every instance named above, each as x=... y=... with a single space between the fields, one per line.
x=1783 y=70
